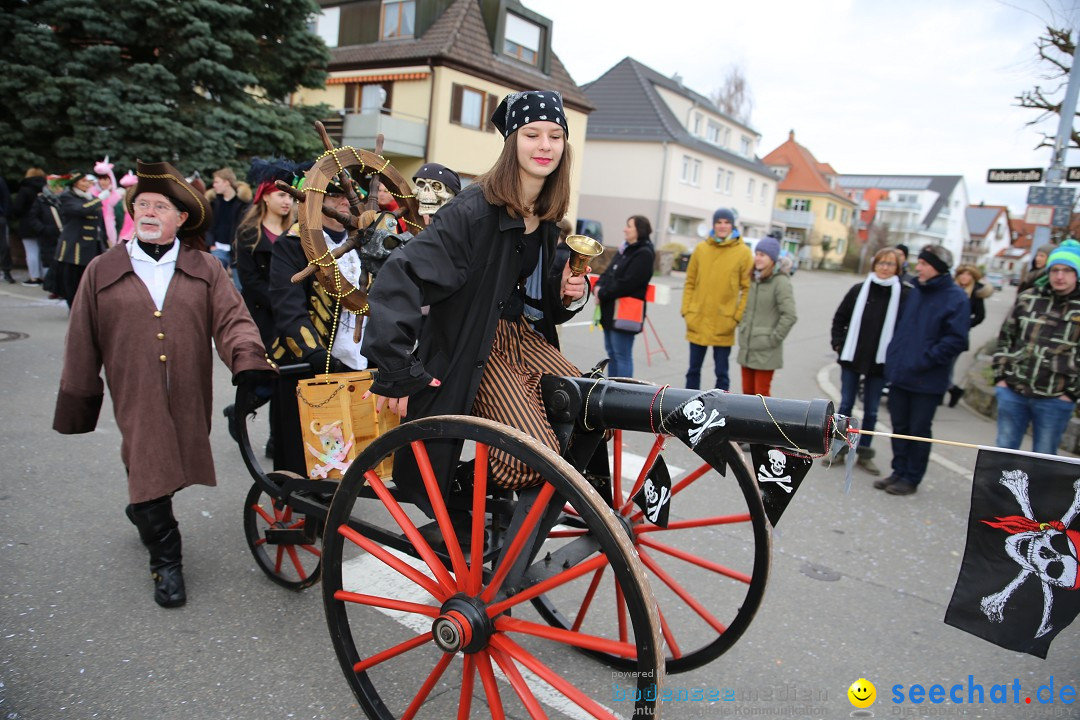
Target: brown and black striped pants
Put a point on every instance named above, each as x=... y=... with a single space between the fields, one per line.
x=509 y=393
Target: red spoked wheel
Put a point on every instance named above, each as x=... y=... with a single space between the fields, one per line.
x=287 y=545
x=414 y=612
x=708 y=568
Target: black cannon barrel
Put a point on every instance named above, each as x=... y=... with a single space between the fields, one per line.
x=805 y=424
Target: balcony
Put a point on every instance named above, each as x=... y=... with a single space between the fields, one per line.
x=403 y=135
x=896 y=206
x=794 y=218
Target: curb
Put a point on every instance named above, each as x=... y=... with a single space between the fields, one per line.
x=833 y=393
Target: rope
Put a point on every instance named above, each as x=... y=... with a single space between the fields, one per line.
x=873 y=433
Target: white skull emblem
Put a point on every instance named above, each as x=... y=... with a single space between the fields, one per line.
x=431 y=195
x=777 y=461
x=694 y=411
x=1049 y=553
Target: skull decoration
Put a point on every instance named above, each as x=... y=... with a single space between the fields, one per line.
x=436 y=185
x=694 y=411
x=777 y=461
x=1049 y=554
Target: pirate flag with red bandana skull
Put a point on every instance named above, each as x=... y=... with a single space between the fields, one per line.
x=1019 y=584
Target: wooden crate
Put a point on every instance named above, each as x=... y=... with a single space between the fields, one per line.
x=332 y=414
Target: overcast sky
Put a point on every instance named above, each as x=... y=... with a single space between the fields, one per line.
x=908 y=87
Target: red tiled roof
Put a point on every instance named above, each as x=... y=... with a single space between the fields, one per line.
x=805 y=173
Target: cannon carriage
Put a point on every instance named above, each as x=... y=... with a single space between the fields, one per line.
x=501 y=593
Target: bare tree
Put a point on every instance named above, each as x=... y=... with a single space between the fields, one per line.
x=1055 y=49
x=734 y=97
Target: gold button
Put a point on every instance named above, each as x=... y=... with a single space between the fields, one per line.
x=157 y=313
x=162 y=358
x=161 y=336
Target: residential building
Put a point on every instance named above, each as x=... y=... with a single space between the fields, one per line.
x=817 y=218
x=427 y=75
x=1013 y=261
x=919 y=210
x=659 y=149
x=988 y=226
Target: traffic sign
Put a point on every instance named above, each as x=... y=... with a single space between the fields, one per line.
x=1039 y=215
x=1072 y=174
x=1062 y=215
x=1022 y=175
x=1054 y=195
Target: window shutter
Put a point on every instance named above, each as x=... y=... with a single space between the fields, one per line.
x=787 y=203
x=455 y=103
x=492 y=103
x=350 y=97
x=808 y=206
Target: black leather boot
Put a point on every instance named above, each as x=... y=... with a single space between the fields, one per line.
x=160 y=533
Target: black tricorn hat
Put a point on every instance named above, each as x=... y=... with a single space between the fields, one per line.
x=163 y=178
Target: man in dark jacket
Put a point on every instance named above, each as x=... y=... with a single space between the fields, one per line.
x=931 y=331
x=1036 y=359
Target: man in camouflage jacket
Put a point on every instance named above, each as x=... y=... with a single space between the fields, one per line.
x=1036 y=361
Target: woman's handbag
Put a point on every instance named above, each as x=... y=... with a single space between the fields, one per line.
x=629 y=314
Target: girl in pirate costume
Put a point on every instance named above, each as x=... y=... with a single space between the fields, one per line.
x=486 y=267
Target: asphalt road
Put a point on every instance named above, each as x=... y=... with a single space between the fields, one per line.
x=859 y=583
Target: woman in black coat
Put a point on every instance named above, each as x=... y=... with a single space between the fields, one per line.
x=22 y=210
x=627 y=276
x=861 y=330
x=485 y=266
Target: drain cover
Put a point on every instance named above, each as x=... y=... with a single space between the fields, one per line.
x=12 y=335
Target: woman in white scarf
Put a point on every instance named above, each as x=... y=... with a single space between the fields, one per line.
x=861 y=330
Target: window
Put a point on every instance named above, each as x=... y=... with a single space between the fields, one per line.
x=522 y=39
x=750 y=188
x=798 y=204
x=729 y=182
x=764 y=194
x=691 y=170
x=326 y=25
x=745 y=146
x=841 y=246
x=844 y=215
x=399 y=19
x=682 y=225
x=368 y=97
x=830 y=211
x=470 y=107
x=713 y=133
x=727 y=138
x=697 y=124
x=720 y=175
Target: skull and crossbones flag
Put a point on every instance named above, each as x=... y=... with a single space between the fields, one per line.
x=779 y=474
x=1018 y=585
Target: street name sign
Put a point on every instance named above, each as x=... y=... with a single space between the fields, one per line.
x=1021 y=175
x=1072 y=174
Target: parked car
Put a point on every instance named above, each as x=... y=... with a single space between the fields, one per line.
x=996 y=279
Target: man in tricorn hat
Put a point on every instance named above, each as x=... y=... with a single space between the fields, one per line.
x=147 y=311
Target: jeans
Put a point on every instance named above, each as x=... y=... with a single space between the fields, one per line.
x=619 y=346
x=849 y=388
x=720 y=359
x=1047 y=416
x=33 y=259
x=912 y=414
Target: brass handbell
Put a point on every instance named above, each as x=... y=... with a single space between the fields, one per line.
x=582 y=249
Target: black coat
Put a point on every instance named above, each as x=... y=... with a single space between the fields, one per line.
x=83 y=236
x=873 y=320
x=22 y=206
x=628 y=275
x=253 y=252
x=464 y=265
x=978 y=305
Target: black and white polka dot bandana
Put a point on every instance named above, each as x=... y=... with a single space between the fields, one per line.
x=521 y=108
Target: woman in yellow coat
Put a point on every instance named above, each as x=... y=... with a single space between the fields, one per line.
x=714 y=297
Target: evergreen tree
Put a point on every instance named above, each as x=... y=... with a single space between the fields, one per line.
x=199 y=83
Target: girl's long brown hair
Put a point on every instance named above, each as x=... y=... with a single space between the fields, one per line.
x=256 y=214
x=502 y=184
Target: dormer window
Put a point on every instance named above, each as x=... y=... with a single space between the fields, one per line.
x=399 y=19
x=522 y=39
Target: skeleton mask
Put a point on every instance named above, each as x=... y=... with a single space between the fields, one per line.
x=695 y=411
x=777 y=461
x=1049 y=553
x=432 y=195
